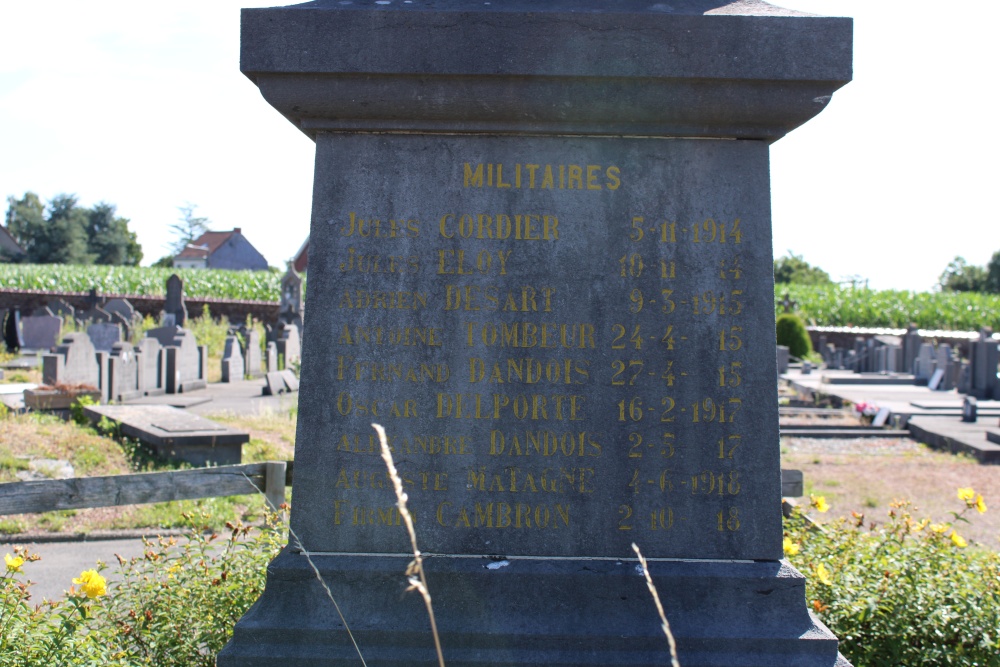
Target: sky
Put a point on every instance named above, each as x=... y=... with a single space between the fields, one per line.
x=143 y=105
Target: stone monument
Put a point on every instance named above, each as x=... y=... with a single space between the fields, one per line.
x=540 y=256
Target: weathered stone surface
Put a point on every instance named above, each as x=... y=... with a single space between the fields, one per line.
x=287 y=344
x=124 y=373
x=174 y=434
x=252 y=354
x=569 y=337
x=40 y=332
x=74 y=361
x=104 y=335
x=232 y=361
x=174 y=308
x=185 y=359
x=152 y=367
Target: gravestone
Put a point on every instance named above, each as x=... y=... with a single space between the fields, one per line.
x=152 y=367
x=232 y=361
x=12 y=330
x=74 y=361
x=185 y=359
x=783 y=356
x=969 y=409
x=910 y=348
x=984 y=357
x=569 y=337
x=62 y=309
x=104 y=335
x=291 y=306
x=124 y=382
x=94 y=313
x=287 y=345
x=40 y=332
x=272 y=357
x=924 y=367
x=174 y=308
x=122 y=312
x=252 y=354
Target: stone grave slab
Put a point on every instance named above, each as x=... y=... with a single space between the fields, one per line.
x=174 y=305
x=569 y=336
x=280 y=382
x=232 y=361
x=104 y=335
x=40 y=332
x=74 y=361
x=252 y=354
x=175 y=434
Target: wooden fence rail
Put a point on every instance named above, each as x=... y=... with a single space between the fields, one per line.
x=270 y=477
x=148 y=487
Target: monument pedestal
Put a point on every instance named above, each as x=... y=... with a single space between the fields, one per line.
x=531 y=612
x=540 y=256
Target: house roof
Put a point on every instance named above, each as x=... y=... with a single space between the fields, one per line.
x=8 y=243
x=206 y=244
x=300 y=262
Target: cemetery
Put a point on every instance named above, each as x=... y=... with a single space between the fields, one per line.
x=550 y=278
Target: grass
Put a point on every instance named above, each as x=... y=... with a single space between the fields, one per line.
x=873 y=475
x=35 y=435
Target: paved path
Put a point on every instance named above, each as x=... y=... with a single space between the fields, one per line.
x=61 y=561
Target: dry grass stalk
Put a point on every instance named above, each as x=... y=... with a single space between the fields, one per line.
x=319 y=577
x=415 y=571
x=659 y=607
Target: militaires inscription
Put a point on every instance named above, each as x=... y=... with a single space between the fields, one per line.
x=564 y=338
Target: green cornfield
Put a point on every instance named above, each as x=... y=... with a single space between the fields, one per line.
x=817 y=305
x=822 y=305
x=199 y=283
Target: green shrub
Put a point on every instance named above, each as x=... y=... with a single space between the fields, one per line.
x=792 y=333
x=906 y=592
x=174 y=607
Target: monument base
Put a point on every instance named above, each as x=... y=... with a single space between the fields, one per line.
x=531 y=612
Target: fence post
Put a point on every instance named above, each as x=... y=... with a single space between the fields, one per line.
x=274 y=483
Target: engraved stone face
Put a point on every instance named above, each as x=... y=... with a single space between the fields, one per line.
x=570 y=343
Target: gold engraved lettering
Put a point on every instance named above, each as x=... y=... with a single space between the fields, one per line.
x=533 y=407
x=544 y=443
x=571 y=177
x=547 y=335
x=402 y=336
x=513 y=479
x=530 y=371
x=490 y=298
x=379 y=229
x=456 y=262
x=500 y=226
x=359 y=263
x=375 y=371
x=503 y=515
x=406 y=445
x=368 y=300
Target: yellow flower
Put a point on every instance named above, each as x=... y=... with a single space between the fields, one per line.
x=791 y=548
x=92 y=583
x=958 y=540
x=823 y=575
x=14 y=563
x=980 y=504
x=939 y=527
x=966 y=494
x=819 y=502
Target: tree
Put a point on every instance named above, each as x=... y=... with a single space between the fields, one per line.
x=794 y=269
x=188 y=229
x=960 y=276
x=109 y=238
x=993 y=273
x=63 y=232
x=51 y=235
